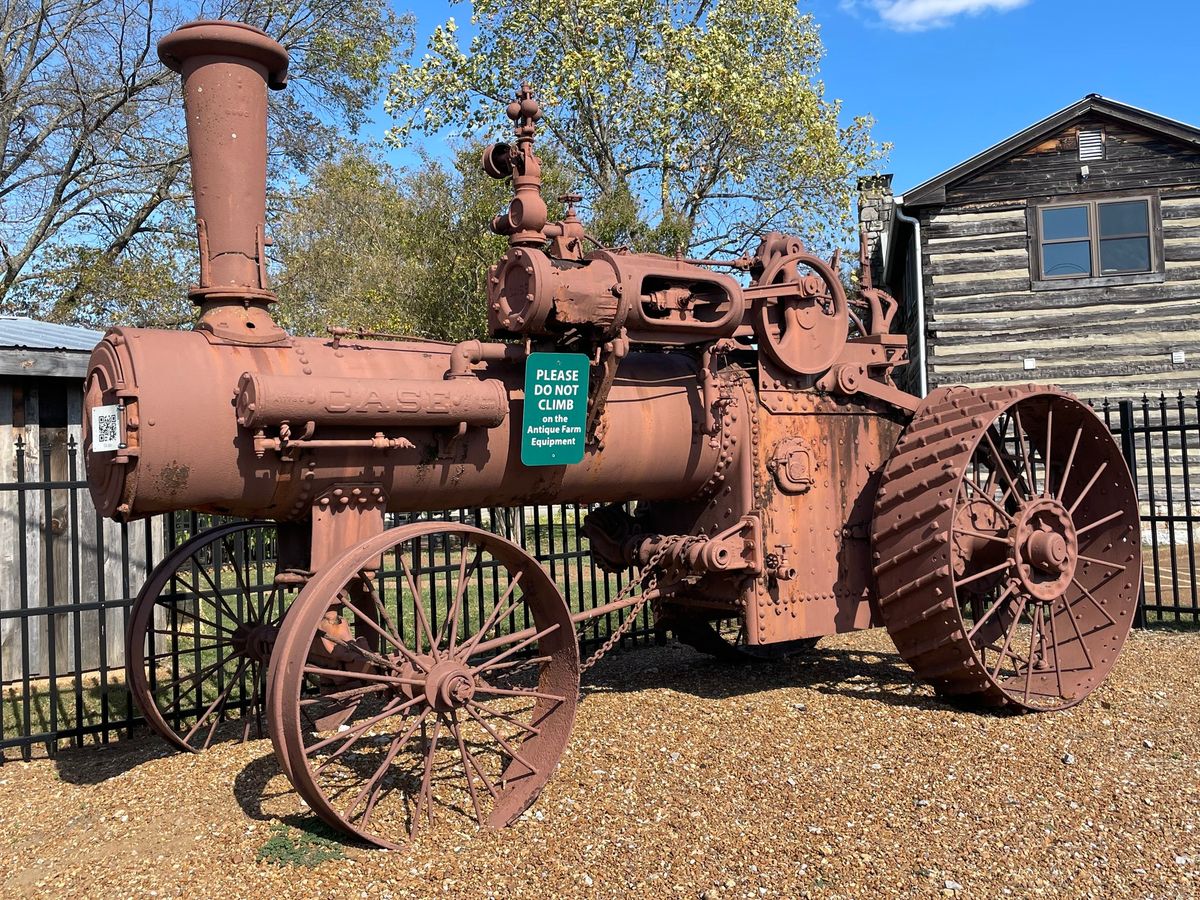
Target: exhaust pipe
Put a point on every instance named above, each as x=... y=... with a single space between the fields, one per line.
x=227 y=68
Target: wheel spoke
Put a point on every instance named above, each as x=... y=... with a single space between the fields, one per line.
x=460 y=587
x=1099 y=471
x=425 y=797
x=375 y=782
x=452 y=724
x=513 y=692
x=1101 y=562
x=218 y=702
x=175 y=610
x=1086 y=528
x=1012 y=630
x=418 y=606
x=354 y=675
x=996 y=506
x=474 y=704
x=387 y=620
x=1001 y=465
x=1096 y=603
x=394 y=708
x=1054 y=646
x=241 y=579
x=961 y=582
x=979 y=623
x=1046 y=458
x=348 y=694
x=1020 y=433
x=516 y=648
x=1033 y=635
x=494 y=617
x=1078 y=634
x=1062 y=485
x=217 y=593
x=508 y=748
x=984 y=537
x=392 y=639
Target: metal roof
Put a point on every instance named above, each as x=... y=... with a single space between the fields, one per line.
x=32 y=334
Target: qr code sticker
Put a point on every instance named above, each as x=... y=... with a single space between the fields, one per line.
x=106 y=428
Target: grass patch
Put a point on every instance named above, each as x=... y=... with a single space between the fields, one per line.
x=307 y=847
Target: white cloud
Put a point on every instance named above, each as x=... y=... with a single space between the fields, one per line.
x=917 y=15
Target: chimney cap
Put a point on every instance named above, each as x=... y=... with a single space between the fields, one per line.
x=216 y=37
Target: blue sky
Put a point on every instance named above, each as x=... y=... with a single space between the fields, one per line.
x=945 y=79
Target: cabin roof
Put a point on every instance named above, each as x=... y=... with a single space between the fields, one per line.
x=32 y=334
x=29 y=347
x=933 y=191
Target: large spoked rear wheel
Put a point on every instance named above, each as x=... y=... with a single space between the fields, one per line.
x=200 y=633
x=430 y=670
x=1008 y=550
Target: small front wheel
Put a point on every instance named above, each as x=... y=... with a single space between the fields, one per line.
x=433 y=667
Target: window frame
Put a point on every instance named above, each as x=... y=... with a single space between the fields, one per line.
x=1092 y=202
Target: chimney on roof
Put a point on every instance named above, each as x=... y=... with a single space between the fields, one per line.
x=875 y=203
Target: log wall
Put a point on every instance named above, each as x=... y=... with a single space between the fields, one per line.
x=1116 y=340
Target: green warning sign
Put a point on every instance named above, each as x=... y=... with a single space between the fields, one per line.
x=556 y=388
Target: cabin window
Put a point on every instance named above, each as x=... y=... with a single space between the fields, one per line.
x=1097 y=240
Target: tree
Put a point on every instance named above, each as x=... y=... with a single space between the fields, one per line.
x=692 y=123
x=93 y=159
x=367 y=246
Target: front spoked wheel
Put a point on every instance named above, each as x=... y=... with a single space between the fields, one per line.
x=201 y=630
x=432 y=670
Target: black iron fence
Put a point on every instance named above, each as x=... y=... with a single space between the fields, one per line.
x=68 y=577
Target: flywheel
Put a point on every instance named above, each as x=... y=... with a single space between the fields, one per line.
x=1007 y=546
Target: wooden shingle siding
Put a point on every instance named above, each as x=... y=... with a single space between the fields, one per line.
x=1132 y=160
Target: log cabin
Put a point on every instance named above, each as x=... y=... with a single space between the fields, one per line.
x=1068 y=253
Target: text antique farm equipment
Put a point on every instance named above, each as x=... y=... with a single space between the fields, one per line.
x=781 y=480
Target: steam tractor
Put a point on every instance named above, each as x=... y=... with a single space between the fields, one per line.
x=732 y=423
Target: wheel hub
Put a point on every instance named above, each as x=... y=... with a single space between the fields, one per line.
x=254 y=641
x=448 y=684
x=1046 y=547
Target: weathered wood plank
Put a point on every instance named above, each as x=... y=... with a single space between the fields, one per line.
x=1181 y=251
x=976 y=287
x=982 y=297
x=1175 y=232
x=10 y=629
x=1181 y=208
x=51 y=363
x=1015 y=371
x=994 y=242
x=1110 y=323
x=976 y=263
x=1114 y=357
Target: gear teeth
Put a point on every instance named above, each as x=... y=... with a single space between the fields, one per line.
x=915 y=582
x=911 y=536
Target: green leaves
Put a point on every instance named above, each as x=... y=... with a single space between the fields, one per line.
x=402 y=252
x=694 y=121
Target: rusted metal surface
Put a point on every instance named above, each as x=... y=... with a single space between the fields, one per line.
x=784 y=488
x=226 y=68
x=451 y=691
x=1007 y=546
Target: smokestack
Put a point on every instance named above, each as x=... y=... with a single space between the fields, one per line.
x=226 y=68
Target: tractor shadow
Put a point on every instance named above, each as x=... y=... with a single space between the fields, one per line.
x=96 y=763
x=864 y=675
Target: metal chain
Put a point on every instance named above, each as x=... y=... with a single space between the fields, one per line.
x=647 y=582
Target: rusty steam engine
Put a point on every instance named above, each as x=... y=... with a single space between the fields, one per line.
x=785 y=489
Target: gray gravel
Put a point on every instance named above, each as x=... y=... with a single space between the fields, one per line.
x=829 y=776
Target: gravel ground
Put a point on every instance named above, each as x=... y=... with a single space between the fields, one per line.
x=829 y=776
